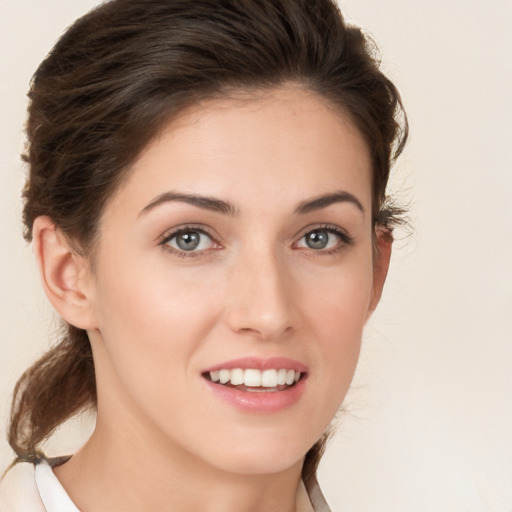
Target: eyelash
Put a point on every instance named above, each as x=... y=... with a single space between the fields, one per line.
x=345 y=240
x=164 y=242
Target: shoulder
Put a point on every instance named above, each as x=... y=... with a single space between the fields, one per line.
x=18 y=490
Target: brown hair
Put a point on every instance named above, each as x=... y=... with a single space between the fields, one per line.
x=112 y=81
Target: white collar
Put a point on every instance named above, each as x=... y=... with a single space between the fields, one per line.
x=53 y=495
x=35 y=488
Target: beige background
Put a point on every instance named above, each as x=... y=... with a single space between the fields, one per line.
x=428 y=425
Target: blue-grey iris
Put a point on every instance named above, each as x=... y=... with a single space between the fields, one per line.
x=188 y=241
x=317 y=239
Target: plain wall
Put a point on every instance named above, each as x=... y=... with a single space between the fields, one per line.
x=428 y=422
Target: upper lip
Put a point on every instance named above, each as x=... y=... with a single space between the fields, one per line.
x=258 y=363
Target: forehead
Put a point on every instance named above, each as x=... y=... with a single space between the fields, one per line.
x=284 y=144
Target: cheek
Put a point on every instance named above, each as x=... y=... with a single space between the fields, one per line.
x=336 y=314
x=146 y=296
x=339 y=302
x=151 y=323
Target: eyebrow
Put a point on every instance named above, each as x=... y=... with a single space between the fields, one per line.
x=326 y=200
x=207 y=203
x=226 y=208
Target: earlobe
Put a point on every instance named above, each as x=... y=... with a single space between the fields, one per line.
x=381 y=259
x=65 y=276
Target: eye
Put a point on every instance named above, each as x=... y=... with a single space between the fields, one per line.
x=189 y=240
x=326 y=239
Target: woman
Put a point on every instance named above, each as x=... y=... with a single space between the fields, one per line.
x=207 y=203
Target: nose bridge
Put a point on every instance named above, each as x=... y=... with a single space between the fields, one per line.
x=260 y=293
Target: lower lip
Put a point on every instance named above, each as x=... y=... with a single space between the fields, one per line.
x=259 y=401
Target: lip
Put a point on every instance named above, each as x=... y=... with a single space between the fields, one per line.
x=263 y=402
x=260 y=364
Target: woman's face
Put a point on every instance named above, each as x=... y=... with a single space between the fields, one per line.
x=240 y=248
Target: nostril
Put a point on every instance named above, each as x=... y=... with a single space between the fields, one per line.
x=265 y=332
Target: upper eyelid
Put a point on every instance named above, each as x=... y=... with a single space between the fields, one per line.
x=332 y=228
x=163 y=241
x=171 y=233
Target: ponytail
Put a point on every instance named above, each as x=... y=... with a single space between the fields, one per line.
x=55 y=388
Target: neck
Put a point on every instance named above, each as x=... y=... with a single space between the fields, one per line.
x=153 y=476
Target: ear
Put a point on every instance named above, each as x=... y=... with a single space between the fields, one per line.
x=381 y=258
x=65 y=275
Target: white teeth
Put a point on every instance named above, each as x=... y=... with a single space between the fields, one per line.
x=269 y=378
x=252 y=378
x=224 y=376
x=237 y=376
x=281 y=377
x=256 y=378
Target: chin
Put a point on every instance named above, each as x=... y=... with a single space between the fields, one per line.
x=269 y=464
x=262 y=456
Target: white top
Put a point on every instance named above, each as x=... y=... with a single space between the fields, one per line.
x=35 y=488
x=53 y=495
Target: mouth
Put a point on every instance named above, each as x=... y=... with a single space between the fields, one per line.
x=258 y=385
x=253 y=380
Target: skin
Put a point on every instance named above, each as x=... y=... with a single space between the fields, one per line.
x=157 y=316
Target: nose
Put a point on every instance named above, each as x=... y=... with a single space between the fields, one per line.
x=260 y=297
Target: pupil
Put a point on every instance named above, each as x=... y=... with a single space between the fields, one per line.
x=317 y=239
x=188 y=241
